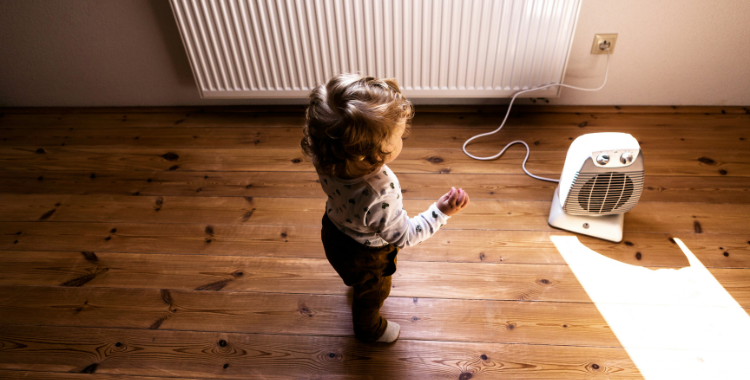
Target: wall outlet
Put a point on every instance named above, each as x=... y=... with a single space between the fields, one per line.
x=603 y=40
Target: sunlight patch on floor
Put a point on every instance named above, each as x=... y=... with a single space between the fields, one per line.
x=674 y=323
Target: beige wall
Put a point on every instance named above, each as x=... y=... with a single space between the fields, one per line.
x=129 y=53
x=669 y=52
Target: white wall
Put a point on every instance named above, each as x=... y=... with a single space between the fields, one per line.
x=129 y=53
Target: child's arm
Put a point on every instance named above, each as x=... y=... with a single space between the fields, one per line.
x=402 y=231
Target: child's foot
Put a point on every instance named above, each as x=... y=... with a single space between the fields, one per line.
x=392 y=331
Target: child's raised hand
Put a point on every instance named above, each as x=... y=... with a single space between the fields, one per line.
x=453 y=201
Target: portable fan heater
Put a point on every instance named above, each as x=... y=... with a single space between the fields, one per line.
x=601 y=180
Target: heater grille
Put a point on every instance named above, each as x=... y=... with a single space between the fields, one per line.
x=604 y=193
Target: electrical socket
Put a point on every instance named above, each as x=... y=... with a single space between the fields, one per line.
x=600 y=39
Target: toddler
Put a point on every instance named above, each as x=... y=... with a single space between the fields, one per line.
x=354 y=128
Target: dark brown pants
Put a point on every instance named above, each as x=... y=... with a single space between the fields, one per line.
x=366 y=269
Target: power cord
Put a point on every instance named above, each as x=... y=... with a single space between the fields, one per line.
x=606 y=72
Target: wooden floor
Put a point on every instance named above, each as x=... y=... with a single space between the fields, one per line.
x=184 y=242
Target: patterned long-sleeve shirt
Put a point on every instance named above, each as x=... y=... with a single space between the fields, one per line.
x=370 y=210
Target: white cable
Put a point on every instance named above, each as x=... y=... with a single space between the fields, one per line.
x=606 y=72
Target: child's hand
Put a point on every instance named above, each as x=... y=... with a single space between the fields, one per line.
x=453 y=201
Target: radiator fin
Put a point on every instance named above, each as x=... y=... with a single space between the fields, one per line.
x=435 y=48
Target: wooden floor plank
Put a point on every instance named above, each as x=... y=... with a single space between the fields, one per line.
x=256 y=137
x=477 y=246
x=20 y=374
x=673 y=218
x=571 y=324
x=488 y=281
x=309 y=276
x=239 y=356
x=177 y=120
x=555 y=109
x=730 y=136
x=679 y=163
x=304 y=184
x=432 y=117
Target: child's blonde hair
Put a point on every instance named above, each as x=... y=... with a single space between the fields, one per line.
x=349 y=119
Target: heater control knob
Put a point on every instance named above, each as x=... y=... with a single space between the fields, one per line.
x=626 y=158
x=602 y=159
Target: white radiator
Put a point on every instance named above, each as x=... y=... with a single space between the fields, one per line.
x=434 y=48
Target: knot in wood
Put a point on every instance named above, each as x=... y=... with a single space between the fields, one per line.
x=166 y=296
x=90 y=369
x=170 y=156
x=223 y=343
x=706 y=160
x=90 y=256
x=465 y=376
x=697 y=227
x=435 y=160
x=296 y=161
x=484 y=357
x=47 y=214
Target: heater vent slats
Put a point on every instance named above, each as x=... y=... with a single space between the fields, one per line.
x=604 y=193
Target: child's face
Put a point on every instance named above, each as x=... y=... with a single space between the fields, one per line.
x=395 y=144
